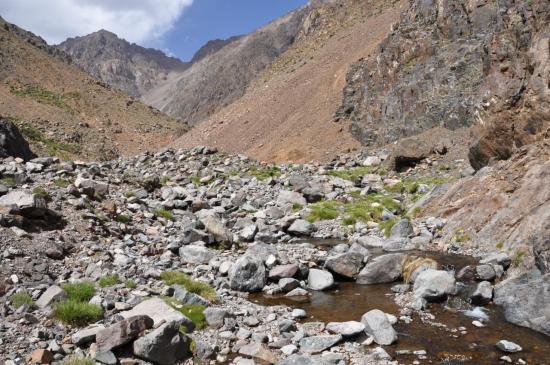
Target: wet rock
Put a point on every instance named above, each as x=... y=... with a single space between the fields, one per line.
x=258 y=351
x=317 y=344
x=434 y=285
x=298 y=292
x=508 y=346
x=382 y=269
x=346 y=329
x=122 y=332
x=301 y=227
x=287 y=284
x=347 y=264
x=483 y=293
x=52 y=295
x=164 y=345
x=525 y=300
x=247 y=274
x=196 y=254
x=159 y=311
x=283 y=271
x=379 y=327
x=320 y=279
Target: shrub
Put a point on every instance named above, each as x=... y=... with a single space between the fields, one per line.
x=163 y=213
x=22 y=298
x=80 y=292
x=109 y=280
x=194 y=286
x=77 y=313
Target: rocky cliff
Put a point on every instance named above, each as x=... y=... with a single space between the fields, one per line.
x=456 y=64
x=123 y=65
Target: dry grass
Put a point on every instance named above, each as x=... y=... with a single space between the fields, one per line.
x=412 y=263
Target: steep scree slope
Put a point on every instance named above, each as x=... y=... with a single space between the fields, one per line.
x=65 y=112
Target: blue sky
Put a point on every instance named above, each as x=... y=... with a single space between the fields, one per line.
x=210 y=19
x=179 y=27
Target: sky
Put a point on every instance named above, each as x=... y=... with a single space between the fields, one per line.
x=178 y=27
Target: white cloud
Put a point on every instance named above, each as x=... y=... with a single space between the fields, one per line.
x=140 y=21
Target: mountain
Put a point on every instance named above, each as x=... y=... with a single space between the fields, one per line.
x=65 y=112
x=128 y=67
x=212 y=47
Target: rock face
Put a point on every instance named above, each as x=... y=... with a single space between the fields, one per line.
x=12 y=142
x=470 y=58
x=378 y=326
x=382 y=269
x=526 y=300
x=126 y=66
x=247 y=274
x=434 y=285
x=164 y=345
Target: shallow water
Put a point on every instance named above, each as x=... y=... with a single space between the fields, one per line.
x=444 y=345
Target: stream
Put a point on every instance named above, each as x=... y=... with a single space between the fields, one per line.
x=443 y=342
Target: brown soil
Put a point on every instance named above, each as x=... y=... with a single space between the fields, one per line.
x=288 y=112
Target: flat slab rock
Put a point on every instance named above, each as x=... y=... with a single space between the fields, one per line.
x=346 y=329
x=316 y=344
x=159 y=311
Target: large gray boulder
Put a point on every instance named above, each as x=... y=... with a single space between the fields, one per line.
x=348 y=264
x=289 y=198
x=196 y=254
x=12 y=143
x=301 y=227
x=526 y=300
x=165 y=345
x=402 y=229
x=160 y=312
x=122 y=332
x=24 y=203
x=247 y=274
x=346 y=329
x=382 y=269
x=320 y=279
x=316 y=344
x=434 y=285
x=379 y=327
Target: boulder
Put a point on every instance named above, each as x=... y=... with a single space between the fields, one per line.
x=434 y=285
x=122 y=332
x=24 y=203
x=186 y=297
x=289 y=198
x=317 y=344
x=288 y=284
x=40 y=356
x=164 y=345
x=12 y=143
x=320 y=279
x=382 y=269
x=159 y=311
x=283 y=271
x=86 y=335
x=258 y=351
x=483 y=293
x=525 y=300
x=247 y=274
x=52 y=295
x=347 y=264
x=379 y=327
x=346 y=329
x=196 y=254
x=215 y=316
x=91 y=188
x=301 y=227
x=402 y=229
x=508 y=346
x=215 y=226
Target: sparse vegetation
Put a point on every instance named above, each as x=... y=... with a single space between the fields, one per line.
x=194 y=312
x=77 y=313
x=80 y=292
x=194 y=286
x=357 y=173
x=22 y=298
x=52 y=147
x=296 y=207
x=122 y=218
x=42 y=96
x=130 y=284
x=40 y=191
x=500 y=245
x=109 y=280
x=411 y=185
x=519 y=258
x=323 y=210
x=61 y=183
x=460 y=235
x=7 y=181
x=264 y=173
x=166 y=214
x=386 y=226
x=165 y=180
x=75 y=360
x=196 y=180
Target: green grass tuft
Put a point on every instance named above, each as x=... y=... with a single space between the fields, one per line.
x=8 y=181
x=123 y=218
x=130 y=284
x=296 y=207
x=264 y=173
x=77 y=313
x=109 y=280
x=166 y=214
x=323 y=210
x=80 y=292
x=194 y=312
x=461 y=236
x=22 y=298
x=194 y=286
x=61 y=183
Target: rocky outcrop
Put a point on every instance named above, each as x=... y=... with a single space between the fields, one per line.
x=12 y=142
x=456 y=64
x=121 y=64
